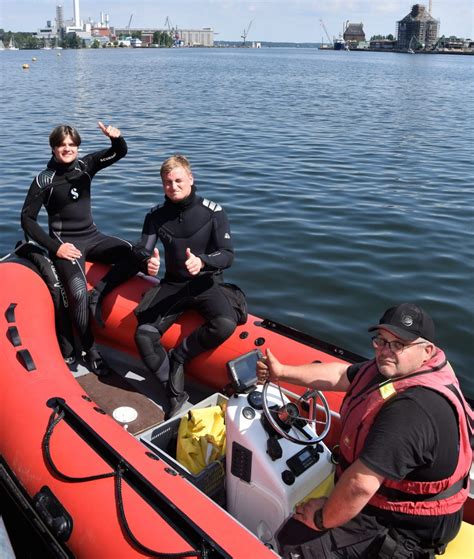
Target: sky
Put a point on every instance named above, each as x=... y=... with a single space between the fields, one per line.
x=269 y=20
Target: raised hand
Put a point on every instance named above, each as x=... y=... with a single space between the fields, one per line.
x=193 y=263
x=153 y=264
x=68 y=251
x=109 y=131
x=268 y=368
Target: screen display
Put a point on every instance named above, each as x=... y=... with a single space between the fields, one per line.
x=243 y=370
x=304 y=455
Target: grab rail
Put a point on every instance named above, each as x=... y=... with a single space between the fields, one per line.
x=311 y=341
x=205 y=546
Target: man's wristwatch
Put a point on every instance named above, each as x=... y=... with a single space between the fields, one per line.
x=318 y=520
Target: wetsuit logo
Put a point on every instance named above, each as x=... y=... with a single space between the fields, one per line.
x=59 y=285
x=73 y=193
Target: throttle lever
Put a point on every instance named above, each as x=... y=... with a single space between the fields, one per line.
x=310 y=393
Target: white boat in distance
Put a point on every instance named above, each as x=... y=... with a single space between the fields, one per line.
x=11 y=45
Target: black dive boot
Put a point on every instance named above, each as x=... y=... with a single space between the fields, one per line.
x=175 y=387
x=96 y=363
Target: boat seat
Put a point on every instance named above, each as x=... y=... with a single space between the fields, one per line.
x=462 y=546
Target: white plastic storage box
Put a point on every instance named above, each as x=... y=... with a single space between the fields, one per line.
x=162 y=441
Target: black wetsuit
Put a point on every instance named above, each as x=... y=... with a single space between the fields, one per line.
x=203 y=227
x=65 y=192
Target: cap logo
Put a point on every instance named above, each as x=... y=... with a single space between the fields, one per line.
x=407 y=320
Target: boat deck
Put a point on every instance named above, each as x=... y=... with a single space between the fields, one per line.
x=131 y=385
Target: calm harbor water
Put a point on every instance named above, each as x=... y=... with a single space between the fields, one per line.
x=347 y=176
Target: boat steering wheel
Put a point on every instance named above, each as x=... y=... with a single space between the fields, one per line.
x=287 y=417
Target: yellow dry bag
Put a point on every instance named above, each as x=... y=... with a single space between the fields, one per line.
x=201 y=438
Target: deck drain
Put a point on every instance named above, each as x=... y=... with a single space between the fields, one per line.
x=125 y=414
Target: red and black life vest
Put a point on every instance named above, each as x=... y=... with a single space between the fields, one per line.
x=361 y=405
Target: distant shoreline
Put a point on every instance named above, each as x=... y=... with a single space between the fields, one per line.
x=267 y=46
x=399 y=51
x=254 y=45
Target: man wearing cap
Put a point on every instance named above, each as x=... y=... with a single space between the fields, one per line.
x=404 y=453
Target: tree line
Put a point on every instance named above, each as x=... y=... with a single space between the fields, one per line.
x=389 y=37
x=29 y=41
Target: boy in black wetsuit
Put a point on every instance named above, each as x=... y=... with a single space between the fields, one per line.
x=64 y=189
x=196 y=238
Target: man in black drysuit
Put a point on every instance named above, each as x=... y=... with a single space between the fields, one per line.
x=196 y=238
x=64 y=189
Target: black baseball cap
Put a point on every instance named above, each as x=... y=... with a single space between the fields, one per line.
x=407 y=321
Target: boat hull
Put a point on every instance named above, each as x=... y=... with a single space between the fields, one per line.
x=150 y=499
x=163 y=510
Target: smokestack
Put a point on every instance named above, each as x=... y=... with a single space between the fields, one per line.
x=59 y=17
x=77 y=17
x=430 y=6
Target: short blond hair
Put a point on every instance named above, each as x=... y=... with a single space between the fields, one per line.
x=174 y=161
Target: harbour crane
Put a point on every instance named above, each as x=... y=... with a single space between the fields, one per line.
x=172 y=31
x=439 y=43
x=325 y=31
x=129 y=23
x=246 y=32
x=415 y=44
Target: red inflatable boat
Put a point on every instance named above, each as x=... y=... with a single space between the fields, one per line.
x=89 y=461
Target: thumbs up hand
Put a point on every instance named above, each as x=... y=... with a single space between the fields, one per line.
x=193 y=263
x=109 y=131
x=153 y=264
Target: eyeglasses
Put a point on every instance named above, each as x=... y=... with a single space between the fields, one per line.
x=394 y=346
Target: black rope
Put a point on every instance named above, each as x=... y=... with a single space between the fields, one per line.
x=53 y=421
x=55 y=418
x=136 y=543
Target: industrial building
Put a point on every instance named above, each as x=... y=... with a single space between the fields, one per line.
x=183 y=37
x=354 y=34
x=417 y=30
x=90 y=30
x=61 y=26
x=197 y=37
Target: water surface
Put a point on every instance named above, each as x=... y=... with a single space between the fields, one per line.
x=347 y=176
